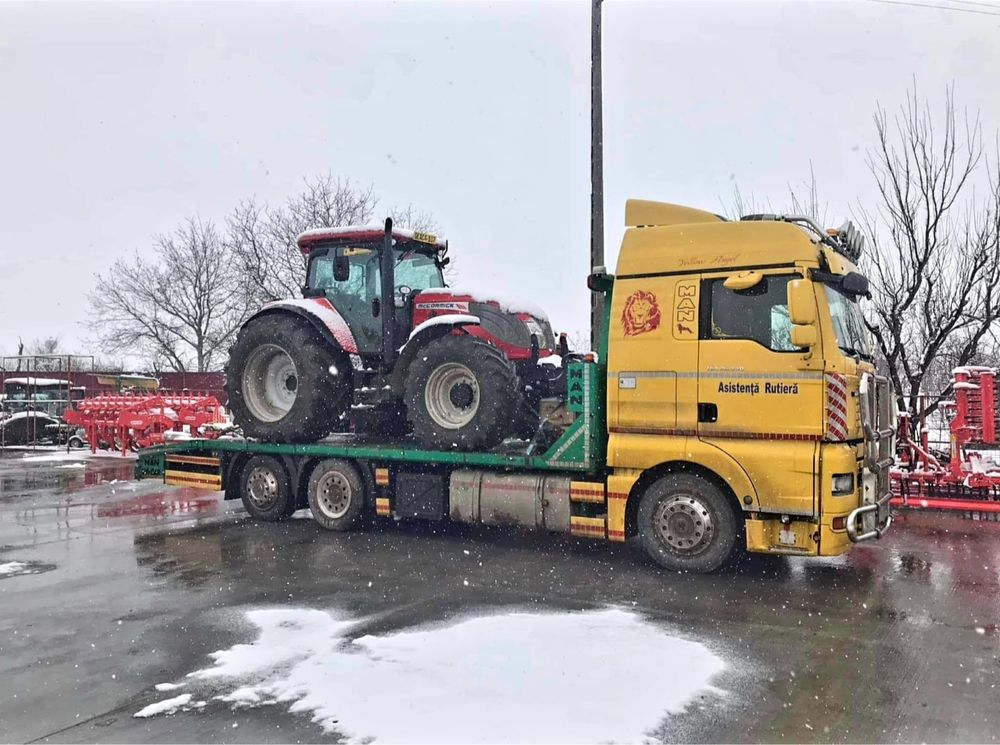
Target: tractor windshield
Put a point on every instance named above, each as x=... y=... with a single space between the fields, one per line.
x=418 y=271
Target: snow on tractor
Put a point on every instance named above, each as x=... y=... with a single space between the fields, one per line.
x=379 y=344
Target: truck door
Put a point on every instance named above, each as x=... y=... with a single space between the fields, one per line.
x=653 y=362
x=758 y=399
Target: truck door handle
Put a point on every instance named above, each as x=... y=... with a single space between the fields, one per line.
x=708 y=413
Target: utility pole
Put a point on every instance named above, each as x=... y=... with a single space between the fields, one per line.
x=596 y=172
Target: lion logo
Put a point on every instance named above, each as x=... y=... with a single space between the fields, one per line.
x=641 y=313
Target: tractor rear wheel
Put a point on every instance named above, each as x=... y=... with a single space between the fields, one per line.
x=461 y=393
x=285 y=382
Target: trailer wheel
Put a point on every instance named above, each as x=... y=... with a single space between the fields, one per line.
x=461 y=393
x=336 y=495
x=265 y=489
x=285 y=382
x=687 y=524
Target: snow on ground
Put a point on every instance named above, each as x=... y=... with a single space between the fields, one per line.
x=591 y=676
x=53 y=456
x=12 y=567
x=167 y=706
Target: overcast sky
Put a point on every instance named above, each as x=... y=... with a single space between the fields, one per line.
x=119 y=120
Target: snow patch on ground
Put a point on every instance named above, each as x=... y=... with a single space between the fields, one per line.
x=512 y=677
x=12 y=567
x=72 y=465
x=57 y=455
x=167 y=706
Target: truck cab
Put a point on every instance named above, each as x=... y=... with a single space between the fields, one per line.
x=737 y=352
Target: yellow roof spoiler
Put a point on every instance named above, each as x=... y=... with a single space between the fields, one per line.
x=642 y=212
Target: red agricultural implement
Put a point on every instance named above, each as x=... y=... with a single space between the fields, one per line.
x=131 y=421
x=965 y=477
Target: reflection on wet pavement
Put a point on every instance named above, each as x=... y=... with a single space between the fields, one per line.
x=895 y=642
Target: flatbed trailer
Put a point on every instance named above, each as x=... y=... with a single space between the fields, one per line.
x=406 y=481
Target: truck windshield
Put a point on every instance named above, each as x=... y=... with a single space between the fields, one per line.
x=848 y=324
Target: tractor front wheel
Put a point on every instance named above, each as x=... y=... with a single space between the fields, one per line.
x=461 y=393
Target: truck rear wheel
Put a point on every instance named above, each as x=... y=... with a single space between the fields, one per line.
x=285 y=382
x=687 y=524
x=265 y=489
x=461 y=393
x=336 y=495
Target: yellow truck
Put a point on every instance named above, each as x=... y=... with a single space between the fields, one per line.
x=733 y=403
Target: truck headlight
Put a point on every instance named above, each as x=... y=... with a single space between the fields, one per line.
x=843 y=484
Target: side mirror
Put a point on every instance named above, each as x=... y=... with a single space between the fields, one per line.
x=803 y=335
x=801 y=302
x=341 y=268
x=743 y=280
x=402 y=295
x=855 y=284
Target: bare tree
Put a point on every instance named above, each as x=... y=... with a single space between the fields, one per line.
x=934 y=259
x=802 y=200
x=181 y=309
x=45 y=345
x=263 y=238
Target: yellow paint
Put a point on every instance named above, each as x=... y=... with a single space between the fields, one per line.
x=586 y=491
x=770 y=438
x=587 y=527
x=643 y=212
x=187 y=478
x=193 y=460
x=620 y=484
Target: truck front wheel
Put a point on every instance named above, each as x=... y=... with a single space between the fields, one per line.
x=687 y=524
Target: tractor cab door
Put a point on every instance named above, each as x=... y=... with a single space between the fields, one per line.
x=356 y=298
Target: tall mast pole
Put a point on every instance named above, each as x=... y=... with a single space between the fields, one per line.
x=596 y=172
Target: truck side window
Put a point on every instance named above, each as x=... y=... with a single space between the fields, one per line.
x=759 y=314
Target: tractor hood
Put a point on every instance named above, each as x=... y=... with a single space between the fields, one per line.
x=508 y=324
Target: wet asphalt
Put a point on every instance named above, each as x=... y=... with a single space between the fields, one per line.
x=130 y=584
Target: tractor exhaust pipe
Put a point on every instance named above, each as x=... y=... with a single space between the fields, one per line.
x=387 y=303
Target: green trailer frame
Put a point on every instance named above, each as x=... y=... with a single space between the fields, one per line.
x=580 y=450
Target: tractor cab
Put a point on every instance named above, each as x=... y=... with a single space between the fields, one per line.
x=345 y=268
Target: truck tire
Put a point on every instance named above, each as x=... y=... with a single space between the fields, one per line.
x=336 y=495
x=285 y=382
x=265 y=489
x=461 y=393
x=687 y=524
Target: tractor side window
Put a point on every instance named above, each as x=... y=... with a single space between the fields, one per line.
x=758 y=314
x=418 y=272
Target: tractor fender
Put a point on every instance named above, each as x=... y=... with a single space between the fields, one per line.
x=421 y=336
x=321 y=315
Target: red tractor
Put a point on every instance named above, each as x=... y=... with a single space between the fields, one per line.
x=378 y=343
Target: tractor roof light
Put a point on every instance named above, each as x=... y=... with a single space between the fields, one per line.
x=361 y=234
